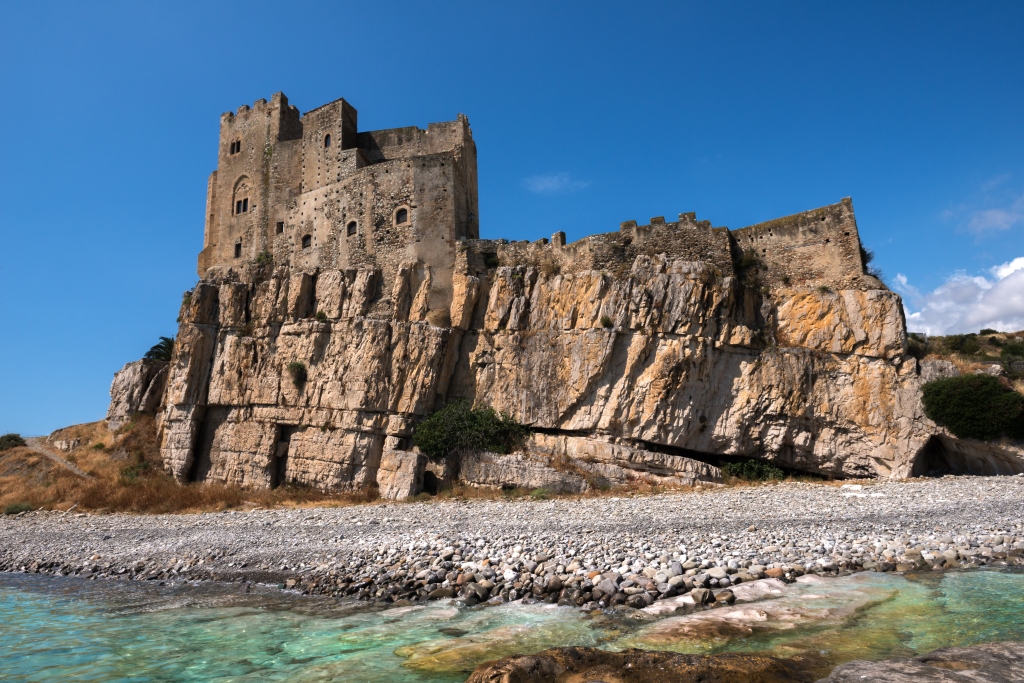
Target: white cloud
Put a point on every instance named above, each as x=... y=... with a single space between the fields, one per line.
x=1000 y=218
x=553 y=183
x=966 y=303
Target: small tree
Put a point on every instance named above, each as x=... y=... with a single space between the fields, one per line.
x=162 y=350
x=460 y=427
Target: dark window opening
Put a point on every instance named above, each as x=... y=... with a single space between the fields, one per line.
x=241 y=206
x=238 y=250
x=401 y=216
x=307 y=240
x=236 y=147
x=280 y=227
x=327 y=141
x=352 y=228
x=279 y=465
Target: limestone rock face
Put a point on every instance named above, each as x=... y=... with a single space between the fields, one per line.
x=319 y=378
x=138 y=387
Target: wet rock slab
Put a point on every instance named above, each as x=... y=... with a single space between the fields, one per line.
x=995 y=663
x=588 y=665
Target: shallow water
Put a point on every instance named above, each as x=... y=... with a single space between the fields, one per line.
x=75 y=630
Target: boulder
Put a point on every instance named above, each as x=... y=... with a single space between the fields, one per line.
x=400 y=474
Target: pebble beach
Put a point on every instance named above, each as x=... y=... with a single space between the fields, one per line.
x=691 y=546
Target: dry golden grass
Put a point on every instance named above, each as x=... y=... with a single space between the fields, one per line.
x=125 y=475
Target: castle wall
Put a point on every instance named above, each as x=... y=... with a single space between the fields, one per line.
x=819 y=247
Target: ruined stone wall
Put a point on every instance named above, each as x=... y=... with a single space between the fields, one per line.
x=819 y=247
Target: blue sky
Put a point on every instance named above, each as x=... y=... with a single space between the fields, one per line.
x=585 y=115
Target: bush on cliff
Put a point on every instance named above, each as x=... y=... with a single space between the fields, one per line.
x=460 y=427
x=975 y=407
x=9 y=441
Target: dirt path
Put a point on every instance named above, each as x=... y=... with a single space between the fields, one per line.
x=37 y=444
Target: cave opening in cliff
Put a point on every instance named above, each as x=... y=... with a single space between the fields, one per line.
x=431 y=484
x=279 y=463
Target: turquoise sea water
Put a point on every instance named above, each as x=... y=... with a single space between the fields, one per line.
x=65 y=629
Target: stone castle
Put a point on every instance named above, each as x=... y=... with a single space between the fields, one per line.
x=313 y=192
x=649 y=353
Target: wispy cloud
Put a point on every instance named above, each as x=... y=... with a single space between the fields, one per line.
x=968 y=303
x=554 y=183
x=995 y=206
x=1001 y=218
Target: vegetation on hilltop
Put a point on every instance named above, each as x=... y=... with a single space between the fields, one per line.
x=975 y=407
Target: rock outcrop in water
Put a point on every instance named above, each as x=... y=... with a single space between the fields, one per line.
x=588 y=665
x=995 y=663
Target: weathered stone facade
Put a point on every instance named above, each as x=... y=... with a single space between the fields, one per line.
x=637 y=354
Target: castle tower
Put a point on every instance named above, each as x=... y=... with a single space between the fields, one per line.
x=314 y=192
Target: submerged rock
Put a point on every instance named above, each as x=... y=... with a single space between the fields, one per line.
x=580 y=664
x=995 y=663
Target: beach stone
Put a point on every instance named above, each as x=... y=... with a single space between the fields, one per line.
x=702 y=596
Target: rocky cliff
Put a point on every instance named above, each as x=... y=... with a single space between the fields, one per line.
x=652 y=372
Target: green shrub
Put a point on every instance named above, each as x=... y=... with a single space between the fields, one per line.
x=540 y=494
x=966 y=344
x=321 y=316
x=975 y=407
x=824 y=289
x=99 y=446
x=264 y=257
x=606 y=321
x=460 y=427
x=1012 y=350
x=752 y=469
x=989 y=330
x=491 y=260
x=162 y=350
x=15 y=508
x=297 y=370
x=129 y=474
x=8 y=441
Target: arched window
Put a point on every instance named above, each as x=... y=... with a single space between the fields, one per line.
x=307 y=240
x=240 y=203
x=351 y=229
x=327 y=141
x=401 y=216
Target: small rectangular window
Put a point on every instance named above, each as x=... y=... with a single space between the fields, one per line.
x=245 y=205
x=238 y=207
x=280 y=227
x=238 y=250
